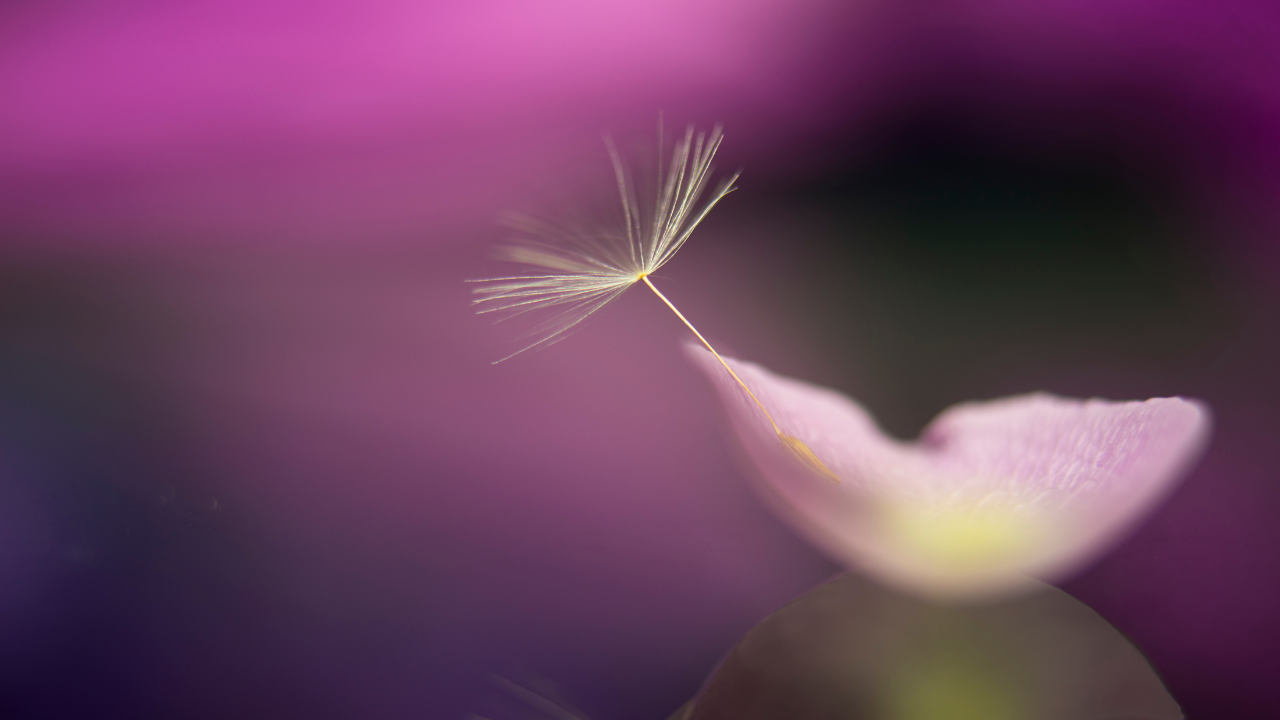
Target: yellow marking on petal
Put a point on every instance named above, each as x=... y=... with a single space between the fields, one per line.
x=964 y=535
x=807 y=456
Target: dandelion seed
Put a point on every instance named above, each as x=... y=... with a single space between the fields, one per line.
x=580 y=271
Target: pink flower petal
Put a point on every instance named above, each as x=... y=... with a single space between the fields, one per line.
x=991 y=494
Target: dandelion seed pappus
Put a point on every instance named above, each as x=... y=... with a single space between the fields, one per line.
x=577 y=273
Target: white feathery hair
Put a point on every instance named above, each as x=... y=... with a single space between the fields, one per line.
x=582 y=270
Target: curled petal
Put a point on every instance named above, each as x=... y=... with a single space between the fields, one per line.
x=992 y=494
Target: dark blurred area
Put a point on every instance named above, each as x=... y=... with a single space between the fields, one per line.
x=942 y=269
x=254 y=460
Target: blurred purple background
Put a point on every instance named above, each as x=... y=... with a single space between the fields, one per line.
x=254 y=460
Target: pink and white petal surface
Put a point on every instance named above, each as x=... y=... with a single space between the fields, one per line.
x=992 y=494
